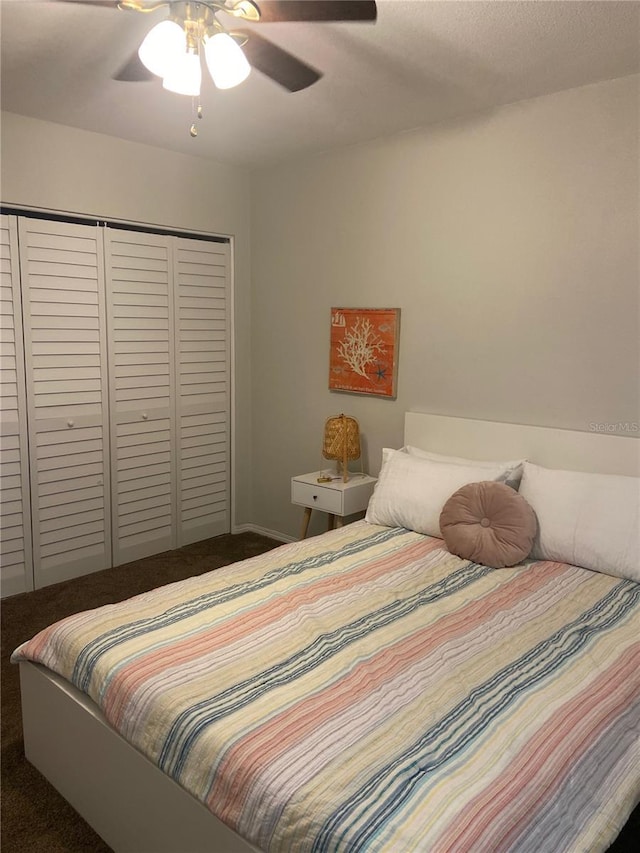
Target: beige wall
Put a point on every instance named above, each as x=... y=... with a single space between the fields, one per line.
x=509 y=241
x=58 y=168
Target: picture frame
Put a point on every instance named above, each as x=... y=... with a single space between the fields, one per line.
x=364 y=351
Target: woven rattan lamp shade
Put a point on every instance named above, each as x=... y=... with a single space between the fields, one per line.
x=341 y=441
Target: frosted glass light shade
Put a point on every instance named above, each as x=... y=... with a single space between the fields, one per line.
x=184 y=76
x=226 y=62
x=162 y=44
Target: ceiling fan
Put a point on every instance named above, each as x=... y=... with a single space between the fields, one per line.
x=173 y=47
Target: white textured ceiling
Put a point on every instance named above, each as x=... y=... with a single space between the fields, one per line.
x=423 y=61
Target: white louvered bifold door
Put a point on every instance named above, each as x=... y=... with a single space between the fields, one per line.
x=16 y=567
x=65 y=350
x=201 y=287
x=141 y=366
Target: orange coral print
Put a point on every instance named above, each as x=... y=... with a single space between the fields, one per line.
x=364 y=344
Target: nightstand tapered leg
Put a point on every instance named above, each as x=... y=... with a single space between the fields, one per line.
x=305 y=521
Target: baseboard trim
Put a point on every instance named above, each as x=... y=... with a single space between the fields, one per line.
x=263 y=531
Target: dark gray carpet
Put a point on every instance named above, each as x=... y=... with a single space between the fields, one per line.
x=35 y=818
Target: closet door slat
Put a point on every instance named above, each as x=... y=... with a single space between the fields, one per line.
x=141 y=358
x=201 y=291
x=64 y=318
x=16 y=562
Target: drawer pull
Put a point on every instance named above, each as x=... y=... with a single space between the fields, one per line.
x=145 y=416
x=315 y=497
x=69 y=423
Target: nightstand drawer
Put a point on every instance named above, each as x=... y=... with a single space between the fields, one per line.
x=317 y=497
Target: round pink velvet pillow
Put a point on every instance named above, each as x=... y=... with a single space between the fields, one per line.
x=488 y=523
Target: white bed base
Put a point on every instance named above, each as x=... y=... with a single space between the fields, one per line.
x=129 y=802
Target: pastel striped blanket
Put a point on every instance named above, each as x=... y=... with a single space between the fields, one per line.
x=365 y=690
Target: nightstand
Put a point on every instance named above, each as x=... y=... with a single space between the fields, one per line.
x=336 y=498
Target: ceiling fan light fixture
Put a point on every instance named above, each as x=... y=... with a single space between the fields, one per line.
x=226 y=62
x=163 y=44
x=184 y=77
x=173 y=48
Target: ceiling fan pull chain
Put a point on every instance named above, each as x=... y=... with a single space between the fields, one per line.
x=197 y=111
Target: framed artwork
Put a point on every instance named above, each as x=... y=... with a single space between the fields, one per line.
x=364 y=350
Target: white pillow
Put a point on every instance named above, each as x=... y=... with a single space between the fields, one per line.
x=588 y=520
x=513 y=469
x=412 y=491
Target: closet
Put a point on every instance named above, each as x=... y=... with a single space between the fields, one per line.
x=115 y=431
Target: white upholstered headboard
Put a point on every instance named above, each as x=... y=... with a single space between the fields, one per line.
x=553 y=448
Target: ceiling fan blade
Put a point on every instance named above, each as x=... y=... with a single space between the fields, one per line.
x=133 y=71
x=278 y=64
x=272 y=11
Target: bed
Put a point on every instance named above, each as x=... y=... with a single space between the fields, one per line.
x=361 y=690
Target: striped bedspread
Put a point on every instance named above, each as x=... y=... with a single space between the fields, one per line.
x=367 y=691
